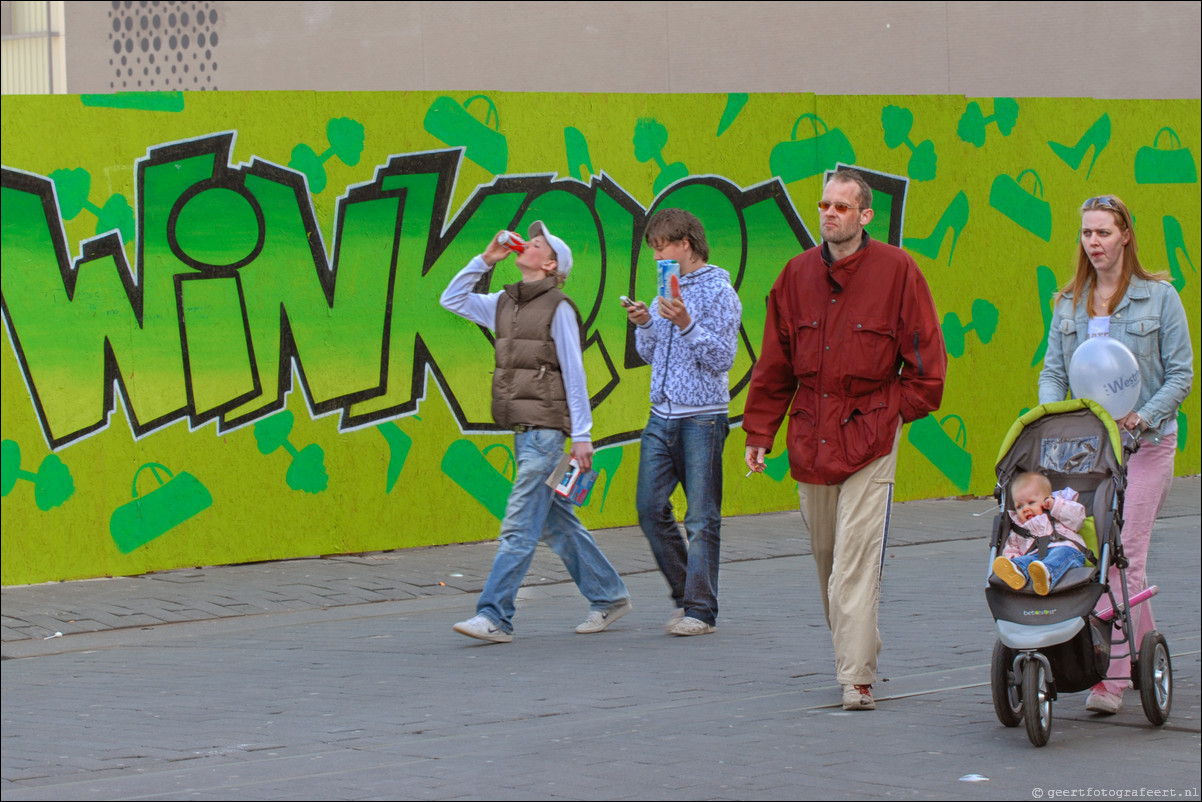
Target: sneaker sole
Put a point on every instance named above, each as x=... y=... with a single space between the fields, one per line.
x=1039 y=578
x=1009 y=574
x=499 y=637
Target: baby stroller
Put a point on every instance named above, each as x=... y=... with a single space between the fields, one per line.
x=1060 y=643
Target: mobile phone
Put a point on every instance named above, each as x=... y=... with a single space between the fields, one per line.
x=626 y=301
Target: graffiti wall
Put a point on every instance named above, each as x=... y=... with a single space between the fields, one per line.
x=223 y=341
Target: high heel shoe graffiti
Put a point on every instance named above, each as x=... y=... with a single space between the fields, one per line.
x=52 y=484
x=307 y=471
x=1097 y=137
x=346 y=142
x=955 y=217
x=607 y=461
x=399 y=444
x=897 y=123
x=1174 y=240
x=984 y=323
x=735 y=101
x=1045 y=281
x=650 y=138
x=973 y=123
x=73 y=188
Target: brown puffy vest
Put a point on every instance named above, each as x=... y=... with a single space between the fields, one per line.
x=527 y=386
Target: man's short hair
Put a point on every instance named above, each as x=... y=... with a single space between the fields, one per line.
x=674 y=225
x=845 y=176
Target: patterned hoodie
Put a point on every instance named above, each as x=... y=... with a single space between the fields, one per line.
x=690 y=367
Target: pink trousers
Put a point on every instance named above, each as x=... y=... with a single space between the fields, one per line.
x=1149 y=477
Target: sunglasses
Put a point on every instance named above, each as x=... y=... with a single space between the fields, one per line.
x=840 y=206
x=1102 y=200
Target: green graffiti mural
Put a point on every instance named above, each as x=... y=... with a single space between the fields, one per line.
x=155 y=513
x=1045 y=300
x=399 y=444
x=469 y=467
x=1174 y=241
x=346 y=142
x=984 y=323
x=1096 y=138
x=954 y=220
x=974 y=125
x=455 y=126
x=307 y=471
x=735 y=102
x=73 y=188
x=52 y=484
x=262 y=316
x=1025 y=207
x=798 y=159
x=948 y=453
x=897 y=123
x=650 y=139
x=1170 y=163
x=576 y=149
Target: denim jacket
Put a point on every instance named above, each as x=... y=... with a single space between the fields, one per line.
x=1149 y=320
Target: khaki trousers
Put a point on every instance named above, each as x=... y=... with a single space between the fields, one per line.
x=849 y=525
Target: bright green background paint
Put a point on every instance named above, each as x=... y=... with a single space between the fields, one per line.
x=231 y=263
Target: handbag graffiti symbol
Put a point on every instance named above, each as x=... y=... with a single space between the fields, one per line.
x=1023 y=207
x=1157 y=165
x=803 y=158
x=136 y=523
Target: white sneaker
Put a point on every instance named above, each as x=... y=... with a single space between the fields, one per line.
x=1103 y=701
x=598 y=621
x=674 y=619
x=858 y=697
x=481 y=628
x=692 y=626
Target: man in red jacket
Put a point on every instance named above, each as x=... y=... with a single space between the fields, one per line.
x=852 y=350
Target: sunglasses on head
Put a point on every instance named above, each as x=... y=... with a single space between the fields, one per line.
x=840 y=206
x=1103 y=200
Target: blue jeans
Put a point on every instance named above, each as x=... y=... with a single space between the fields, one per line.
x=1058 y=561
x=686 y=452
x=536 y=512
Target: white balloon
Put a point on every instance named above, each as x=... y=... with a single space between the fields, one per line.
x=1104 y=370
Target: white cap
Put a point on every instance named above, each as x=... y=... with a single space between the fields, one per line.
x=563 y=254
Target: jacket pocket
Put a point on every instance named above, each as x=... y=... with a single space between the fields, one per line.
x=1067 y=329
x=866 y=429
x=807 y=349
x=1143 y=338
x=870 y=355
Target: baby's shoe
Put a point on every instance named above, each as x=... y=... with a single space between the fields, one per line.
x=1008 y=572
x=1040 y=580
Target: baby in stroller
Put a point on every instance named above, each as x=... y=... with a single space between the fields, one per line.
x=1040 y=513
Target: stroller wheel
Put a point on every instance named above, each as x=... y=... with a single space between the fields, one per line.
x=1155 y=678
x=1037 y=701
x=1006 y=687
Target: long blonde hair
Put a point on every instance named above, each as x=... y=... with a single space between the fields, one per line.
x=1086 y=277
